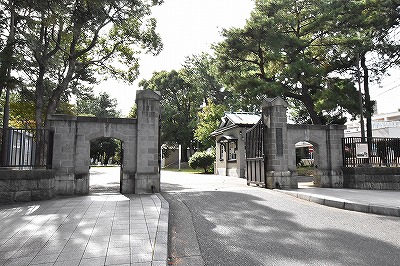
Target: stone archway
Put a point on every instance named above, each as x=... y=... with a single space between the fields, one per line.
x=280 y=143
x=71 y=154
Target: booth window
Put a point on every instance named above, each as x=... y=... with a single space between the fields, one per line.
x=232 y=148
x=221 y=152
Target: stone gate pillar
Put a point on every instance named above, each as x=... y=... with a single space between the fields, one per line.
x=276 y=146
x=147 y=177
x=64 y=127
x=328 y=172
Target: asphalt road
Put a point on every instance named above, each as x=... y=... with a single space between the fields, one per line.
x=217 y=220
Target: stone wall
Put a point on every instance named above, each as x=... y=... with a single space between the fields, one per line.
x=280 y=151
x=139 y=170
x=276 y=146
x=26 y=185
x=326 y=140
x=372 y=178
x=71 y=155
x=147 y=176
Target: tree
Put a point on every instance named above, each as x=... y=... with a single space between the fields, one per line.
x=133 y=111
x=100 y=106
x=200 y=71
x=66 y=43
x=102 y=149
x=22 y=110
x=209 y=119
x=8 y=23
x=372 y=42
x=293 y=49
x=179 y=106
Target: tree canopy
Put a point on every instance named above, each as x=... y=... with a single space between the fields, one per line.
x=179 y=104
x=104 y=149
x=57 y=46
x=100 y=106
x=209 y=120
x=298 y=49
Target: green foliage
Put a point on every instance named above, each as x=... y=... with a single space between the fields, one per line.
x=202 y=160
x=100 y=106
x=133 y=111
x=200 y=71
x=22 y=111
x=102 y=149
x=209 y=119
x=59 y=46
x=305 y=170
x=179 y=106
x=300 y=50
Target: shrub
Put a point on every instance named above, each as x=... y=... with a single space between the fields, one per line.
x=203 y=160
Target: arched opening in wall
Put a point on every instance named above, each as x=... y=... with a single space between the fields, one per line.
x=305 y=163
x=105 y=165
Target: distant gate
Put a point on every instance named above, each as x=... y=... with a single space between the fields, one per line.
x=255 y=163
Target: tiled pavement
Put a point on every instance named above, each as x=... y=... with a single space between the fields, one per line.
x=103 y=229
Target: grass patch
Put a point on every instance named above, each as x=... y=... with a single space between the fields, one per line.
x=305 y=170
x=185 y=170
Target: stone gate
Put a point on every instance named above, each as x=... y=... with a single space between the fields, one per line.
x=140 y=144
x=278 y=169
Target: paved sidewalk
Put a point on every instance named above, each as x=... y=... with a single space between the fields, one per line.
x=100 y=229
x=382 y=202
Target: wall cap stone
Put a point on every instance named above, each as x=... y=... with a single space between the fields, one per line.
x=35 y=174
x=277 y=101
x=148 y=94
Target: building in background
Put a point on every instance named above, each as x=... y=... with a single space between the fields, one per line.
x=383 y=126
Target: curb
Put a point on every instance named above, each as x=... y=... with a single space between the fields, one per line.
x=160 y=252
x=343 y=204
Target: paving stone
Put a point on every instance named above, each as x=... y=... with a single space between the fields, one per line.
x=70 y=232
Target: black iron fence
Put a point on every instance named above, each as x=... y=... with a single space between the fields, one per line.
x=377 y=152
x=255 y=162
x=26 y=148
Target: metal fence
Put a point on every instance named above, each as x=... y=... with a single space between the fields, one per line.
x=377 y=152
x=26 y=148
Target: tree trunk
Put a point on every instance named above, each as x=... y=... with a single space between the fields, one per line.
x=368 y=107
x=309 y=105
x=184 y=153
x=6 y=55
x=39 y=95
x=61 y=88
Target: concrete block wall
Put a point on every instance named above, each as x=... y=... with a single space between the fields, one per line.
x=280 y=149
x=276 y=145
x=26 y=185
x=326 y=140
x=140 y=142
x=147 y=178
x=64 y=128
x=386 y=178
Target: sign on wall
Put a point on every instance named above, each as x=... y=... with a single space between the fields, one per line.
x=361 y=150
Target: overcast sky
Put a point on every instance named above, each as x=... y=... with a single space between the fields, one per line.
x=189 y=27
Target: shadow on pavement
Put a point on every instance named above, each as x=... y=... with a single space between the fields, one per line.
x=238 y=225
x=240 y=229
